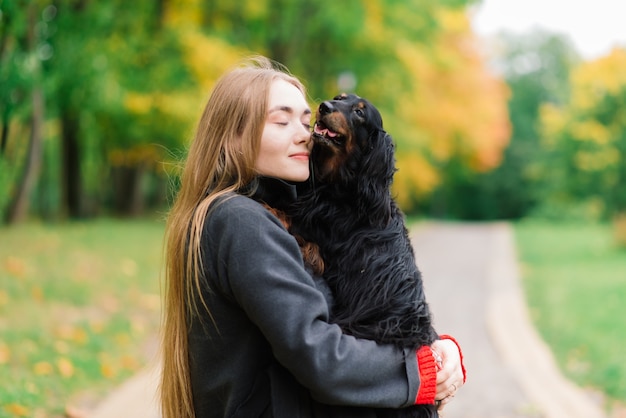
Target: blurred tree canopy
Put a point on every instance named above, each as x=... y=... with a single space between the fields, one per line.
x=99 y=99
x=91 y=63
x=536 y=67
x=586 y=138
x=566 y=157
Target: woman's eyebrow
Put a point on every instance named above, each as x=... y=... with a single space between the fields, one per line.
x=287 y=109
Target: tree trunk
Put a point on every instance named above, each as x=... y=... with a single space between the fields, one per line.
x=71 y=179
x=6 y=113
x=128 y=198
x=18 y=207
x=4 y=133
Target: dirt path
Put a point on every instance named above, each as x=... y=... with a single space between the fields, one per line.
x=472 y=283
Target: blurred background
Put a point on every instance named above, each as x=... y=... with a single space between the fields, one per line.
x=500 y=110
x=98 y=100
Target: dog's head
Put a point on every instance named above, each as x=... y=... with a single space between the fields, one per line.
x=349 y=141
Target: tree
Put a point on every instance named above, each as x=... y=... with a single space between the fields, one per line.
x=453 y=112
x=22 y=48
x=415 y=60
x=124 y=83
x=118 y=75
x=587 y=137
x=536 y=66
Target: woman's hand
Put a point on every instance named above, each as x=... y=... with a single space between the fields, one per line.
x=450 y=376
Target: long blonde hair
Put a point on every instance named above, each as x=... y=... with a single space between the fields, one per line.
x=221 y=159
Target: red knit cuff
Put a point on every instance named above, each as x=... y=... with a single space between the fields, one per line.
x=428 y=376
x=448 y=337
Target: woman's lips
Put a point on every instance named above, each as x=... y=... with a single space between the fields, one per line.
x=300 y=156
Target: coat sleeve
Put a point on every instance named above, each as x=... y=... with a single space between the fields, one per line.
x=259 y=265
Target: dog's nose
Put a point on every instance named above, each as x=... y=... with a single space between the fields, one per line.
x=326 y=108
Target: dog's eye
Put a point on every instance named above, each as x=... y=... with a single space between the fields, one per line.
x=359 y=112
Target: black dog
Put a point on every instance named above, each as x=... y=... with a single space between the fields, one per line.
x=349 y=213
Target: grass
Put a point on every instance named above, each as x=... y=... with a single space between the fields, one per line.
x=79 y=303
x=575 y=280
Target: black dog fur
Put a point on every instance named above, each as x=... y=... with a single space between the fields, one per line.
x=349 y=213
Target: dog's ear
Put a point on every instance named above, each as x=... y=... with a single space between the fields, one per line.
x=379 y=158
x=374 y=182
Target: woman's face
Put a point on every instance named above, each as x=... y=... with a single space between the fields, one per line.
x=286 y=141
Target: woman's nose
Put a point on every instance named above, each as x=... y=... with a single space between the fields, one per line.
x=304 y=135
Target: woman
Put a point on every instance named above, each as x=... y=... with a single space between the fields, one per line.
x=246 y=330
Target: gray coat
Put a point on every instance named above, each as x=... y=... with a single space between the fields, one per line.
x=267 y=349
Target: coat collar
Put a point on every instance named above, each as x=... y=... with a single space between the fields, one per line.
x=275 y=192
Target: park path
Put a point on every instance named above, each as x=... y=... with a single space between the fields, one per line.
x=472 y=284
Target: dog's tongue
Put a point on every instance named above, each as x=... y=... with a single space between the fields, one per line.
x=324 y=131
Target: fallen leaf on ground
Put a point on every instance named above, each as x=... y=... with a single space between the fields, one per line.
x=42 y=368
x=5 y=353
x=17 y=410
x=65 y=366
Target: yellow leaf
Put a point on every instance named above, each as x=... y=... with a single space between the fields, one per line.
x=122 y=339
x=208 y=57
x=130 y=363
x=183 y=13
x=96 y=326
x=42 y=368
x=31 y=388
x=71 y=333
x=62 y=347
x=5 y=353
x=553 y=121
x=65 y=366
x=107 y=370
x=150 y=301
x=15 y=266
x=80 y=336
x=590 y=131
x=139 y=104
x=64 y=331
x=37 y=293
x=17 y=410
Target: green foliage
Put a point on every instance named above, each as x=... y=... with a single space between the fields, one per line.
x=586 y=137
x=77 y=304
x=316 y=43
x=536 y=67
x=21 y=53
x=574 y=279
x=98 y=58
x=124 y=81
